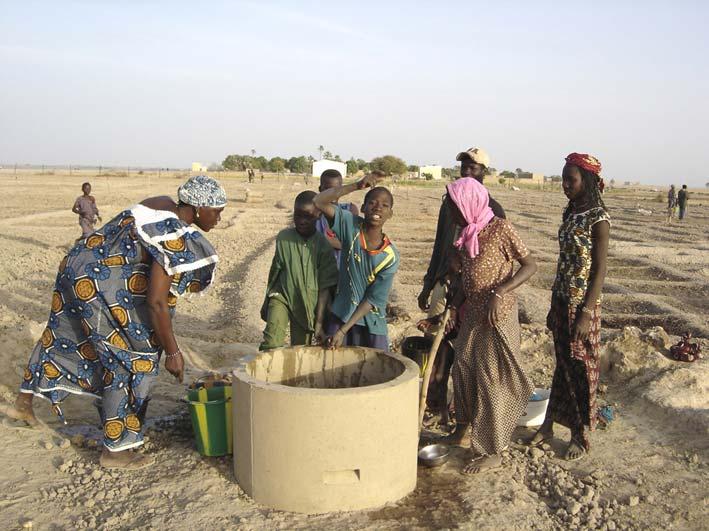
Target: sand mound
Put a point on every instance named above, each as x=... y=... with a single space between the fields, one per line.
x=673 y=391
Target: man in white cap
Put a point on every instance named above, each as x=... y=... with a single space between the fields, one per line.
x=473 y=163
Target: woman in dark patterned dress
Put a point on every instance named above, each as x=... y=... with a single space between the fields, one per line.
x=111 y=313
x=575 y=315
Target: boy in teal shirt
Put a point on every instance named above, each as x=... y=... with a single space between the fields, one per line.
x=302 y=272
x=367 y=266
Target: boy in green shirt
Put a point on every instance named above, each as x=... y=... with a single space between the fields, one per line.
x=302 y=272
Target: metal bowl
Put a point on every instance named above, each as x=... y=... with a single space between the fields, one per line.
x=434 y=454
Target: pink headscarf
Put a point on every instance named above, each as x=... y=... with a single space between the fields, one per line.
x=473 y=201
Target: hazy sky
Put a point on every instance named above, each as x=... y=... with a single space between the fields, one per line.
x=167 y=83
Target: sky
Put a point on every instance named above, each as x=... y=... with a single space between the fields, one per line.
x=166 y=83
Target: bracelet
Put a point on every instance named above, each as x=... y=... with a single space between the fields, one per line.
x=178 y=351
x=586 y=310
x=497 y=294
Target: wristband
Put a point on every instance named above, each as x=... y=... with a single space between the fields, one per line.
x=586 y=310
x=178 y=351
x=497 y=295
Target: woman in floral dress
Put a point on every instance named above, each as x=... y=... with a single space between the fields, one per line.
x=111 y=313
x=575 y=315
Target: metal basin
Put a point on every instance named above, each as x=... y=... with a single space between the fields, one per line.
x=434 y=454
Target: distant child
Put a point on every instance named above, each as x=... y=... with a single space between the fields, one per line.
x=333 y=179
x=302 y=272
x=85 y=206
x=367 y=265
x=575 y=315
x=671 y=204
x=490 y=386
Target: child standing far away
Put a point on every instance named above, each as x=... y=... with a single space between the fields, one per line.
x=333 y=179
x=85 y=206
x=575 y=315
x=671 y=203
x=302 y=272
x=368 y=263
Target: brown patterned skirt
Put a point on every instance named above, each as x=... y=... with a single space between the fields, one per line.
x=573 y=390
x=491 y=389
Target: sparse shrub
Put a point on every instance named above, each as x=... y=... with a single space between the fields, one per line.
x=427 y=176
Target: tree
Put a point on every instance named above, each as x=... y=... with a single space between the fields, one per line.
x=298 y=164
x=518 y=171
x=362 y=165
x=321 y=148
x=451 y=173
x=337 y=158
x=230 y=162
x=327 y=155
x=277 y=165
x=253 y=152
x=508 y=174
x=413 y=168
x=352 y=166
x=389 y=164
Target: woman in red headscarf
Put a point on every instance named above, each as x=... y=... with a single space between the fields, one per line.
x=575 y=315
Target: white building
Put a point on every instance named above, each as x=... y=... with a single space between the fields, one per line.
x=320 y=166
x=198 y=166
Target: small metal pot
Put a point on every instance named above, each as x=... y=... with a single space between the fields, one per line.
x=434 y=455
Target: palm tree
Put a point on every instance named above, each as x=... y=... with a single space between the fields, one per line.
x=321 y=149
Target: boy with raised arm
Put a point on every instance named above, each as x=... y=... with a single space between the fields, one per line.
x=367 y=265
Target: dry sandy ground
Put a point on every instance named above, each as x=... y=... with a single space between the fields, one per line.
x=649 y=470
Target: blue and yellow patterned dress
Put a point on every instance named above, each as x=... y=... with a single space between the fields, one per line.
x=99 y=340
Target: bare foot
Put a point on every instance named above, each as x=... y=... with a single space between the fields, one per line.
x=483 y=463
x=543 y=435
x=125 y=460
x=574 y=451
x=22 y=410
x=456 y=438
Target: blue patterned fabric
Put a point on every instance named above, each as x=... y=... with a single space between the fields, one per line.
x=99 y=340
x=202 y=191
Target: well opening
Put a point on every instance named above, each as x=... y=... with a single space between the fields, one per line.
x=317 y=368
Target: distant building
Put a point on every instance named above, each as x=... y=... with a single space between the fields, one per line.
x=433 y=171
x=321 y=165
x=198 y=167
x=529 y=177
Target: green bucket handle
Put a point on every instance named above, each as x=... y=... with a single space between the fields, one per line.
x=208 y=403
